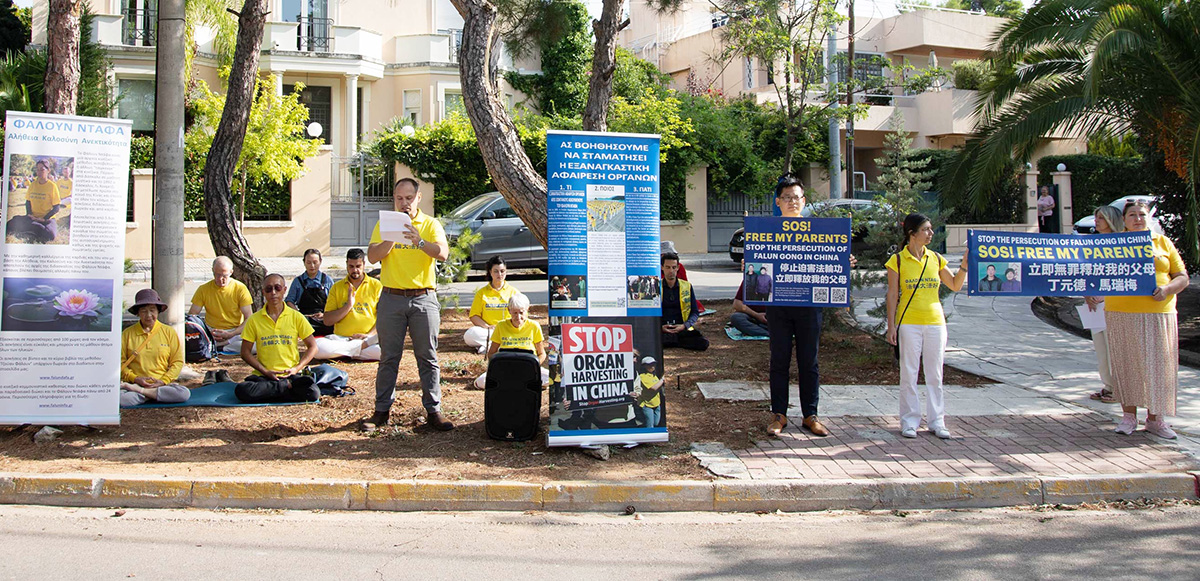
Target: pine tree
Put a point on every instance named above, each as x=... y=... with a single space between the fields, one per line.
x=903 y=179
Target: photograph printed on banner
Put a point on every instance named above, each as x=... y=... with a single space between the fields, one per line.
x=1000 y=277
x=39 y=199
x=644 y=291
x=608 y=374
x=57 y=305
x=758 y=281
x=606 y=212
x=568 y=292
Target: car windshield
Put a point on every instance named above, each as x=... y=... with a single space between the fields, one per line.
x=471 y=207
x=1120 y=204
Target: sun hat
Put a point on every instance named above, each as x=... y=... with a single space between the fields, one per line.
x=147 y=296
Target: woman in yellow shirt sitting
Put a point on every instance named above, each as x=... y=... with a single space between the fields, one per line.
x=151 y=357
x=916 y=324
x=1143 y=336
x=490 y=305
x=518 y=333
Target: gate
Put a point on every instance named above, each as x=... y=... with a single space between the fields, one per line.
x=725 y=217
x=361 y=186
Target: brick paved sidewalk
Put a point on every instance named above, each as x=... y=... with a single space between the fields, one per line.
x=988 y=445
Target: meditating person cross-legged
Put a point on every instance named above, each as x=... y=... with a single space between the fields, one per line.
x=277 y=331
x=151 y=357
x=350 y=308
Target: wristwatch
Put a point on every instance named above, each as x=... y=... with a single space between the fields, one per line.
x=421 y=244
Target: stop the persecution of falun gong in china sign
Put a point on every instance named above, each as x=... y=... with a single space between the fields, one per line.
x=605 y=350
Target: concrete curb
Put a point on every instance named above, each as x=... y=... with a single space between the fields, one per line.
x=660 y=496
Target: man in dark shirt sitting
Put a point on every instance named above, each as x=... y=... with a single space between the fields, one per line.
x=751 y=320
x=679 y=311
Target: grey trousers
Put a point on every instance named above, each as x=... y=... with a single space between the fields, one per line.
x=169 y=393
x=420 y=317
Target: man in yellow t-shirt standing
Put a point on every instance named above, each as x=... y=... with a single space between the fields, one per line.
x=226 y=304
x=42 y=202
x=409 y=305
x=350 y=308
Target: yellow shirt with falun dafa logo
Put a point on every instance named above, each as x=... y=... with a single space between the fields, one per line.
x=222 y=306
x=926 y=307
x=361 y=317
x=406 y=266
x=278 y=342
x=509 y=337
x=491 y=304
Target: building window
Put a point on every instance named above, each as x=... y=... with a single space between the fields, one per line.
x=136 y=103
x=412 y=106
x=141 y=22
x=315 y=30
x=749 y=73
x=719 y=19
x=358 y=122
x=319 y=101
x=453 y=104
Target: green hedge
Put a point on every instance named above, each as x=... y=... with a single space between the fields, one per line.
x=1097 y=180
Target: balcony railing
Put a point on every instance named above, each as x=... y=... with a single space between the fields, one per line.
x=140 y=28
x=314 y=34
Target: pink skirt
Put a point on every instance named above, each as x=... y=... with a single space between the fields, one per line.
x=1143 y=351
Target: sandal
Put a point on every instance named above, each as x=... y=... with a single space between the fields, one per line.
x=1104 y=396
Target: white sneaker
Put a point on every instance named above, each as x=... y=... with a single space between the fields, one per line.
x=908 y=432
x=942 y=433
x=1127 y=424
x=1161 y=429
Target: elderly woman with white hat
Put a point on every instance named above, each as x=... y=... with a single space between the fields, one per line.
x=151 y=356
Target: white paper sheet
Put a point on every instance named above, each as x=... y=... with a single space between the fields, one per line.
x=393 y=225
x=1093 y=320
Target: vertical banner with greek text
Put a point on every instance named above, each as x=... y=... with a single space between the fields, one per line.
x=605 y=351
x=66 y=183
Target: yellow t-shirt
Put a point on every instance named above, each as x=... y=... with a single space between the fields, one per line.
x=648 y=380
x=161 y=358
x=42 y=197
x=526 y=337
x=406 y=266
x=491 y=304
x=361 y=318
x=278 y=342
x=64 y=187
x=926 y=307
x=1166 y=261
x=222 y=306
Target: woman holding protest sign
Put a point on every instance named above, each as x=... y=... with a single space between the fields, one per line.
x=918 y=327
x=1143 y=336
x=1108 y=220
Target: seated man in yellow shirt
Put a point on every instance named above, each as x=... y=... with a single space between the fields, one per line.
x=151 y=357
x=226 y=304
x=42 y=202
x=350 y=308
x=275 y=332
x=517 y=333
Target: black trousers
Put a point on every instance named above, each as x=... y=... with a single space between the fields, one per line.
x=691 y=340
x=799 y=327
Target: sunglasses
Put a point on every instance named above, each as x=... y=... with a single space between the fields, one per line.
x=273 y=288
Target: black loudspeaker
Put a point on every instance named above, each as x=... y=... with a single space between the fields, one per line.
x=512 y=396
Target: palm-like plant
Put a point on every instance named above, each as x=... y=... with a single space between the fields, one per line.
x=1082 y=66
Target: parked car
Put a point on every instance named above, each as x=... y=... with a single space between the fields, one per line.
x=503 y=233
x=841 y=207
x=1087 y=224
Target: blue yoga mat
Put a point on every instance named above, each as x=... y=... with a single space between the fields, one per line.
x=737 y=335
x=217 y=395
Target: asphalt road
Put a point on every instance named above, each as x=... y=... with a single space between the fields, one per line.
x=55 y=543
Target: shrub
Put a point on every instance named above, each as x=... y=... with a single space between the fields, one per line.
x=971 y=75
x=1097 y=180
x=1007 y=199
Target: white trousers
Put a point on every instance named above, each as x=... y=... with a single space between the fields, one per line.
x=922 y=343
x=477 y=337
x=1100 y=342
x=331 y=346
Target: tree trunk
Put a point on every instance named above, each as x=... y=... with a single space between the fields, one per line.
x=226 y=237
x=62 y=66
x=505 y=158
x=604 y=64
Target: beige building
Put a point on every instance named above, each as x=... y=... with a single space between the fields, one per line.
x=363 y=63
x=688 y=44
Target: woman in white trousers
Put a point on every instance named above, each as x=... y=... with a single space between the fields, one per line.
x=916 y=324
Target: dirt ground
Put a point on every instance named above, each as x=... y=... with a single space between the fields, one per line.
x=322 y=440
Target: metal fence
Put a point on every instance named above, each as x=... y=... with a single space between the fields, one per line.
x=140 y=26
x=315 y=34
